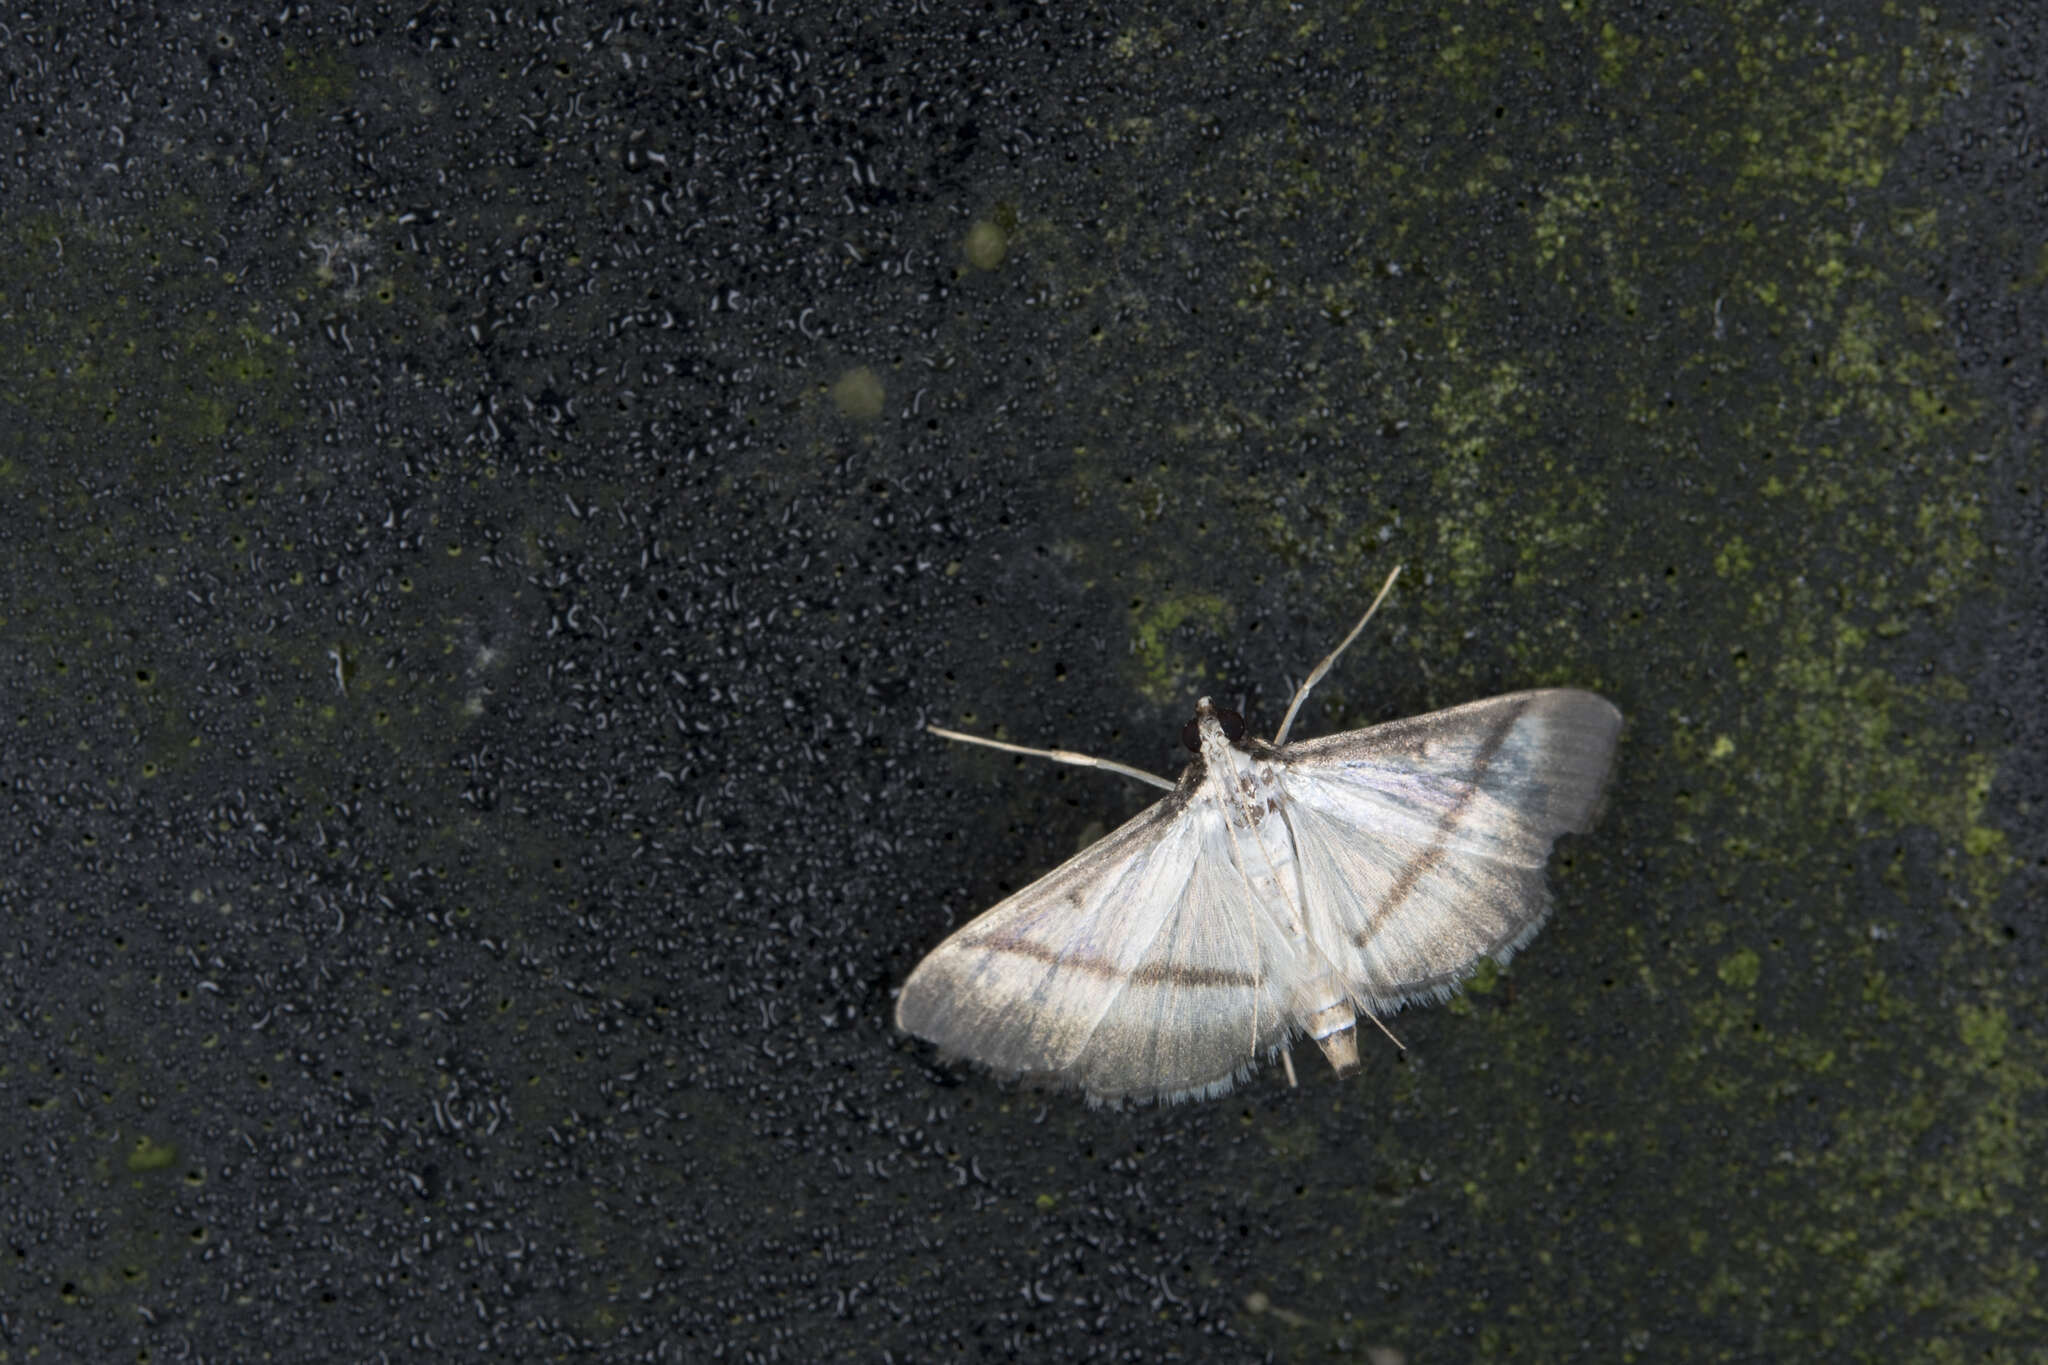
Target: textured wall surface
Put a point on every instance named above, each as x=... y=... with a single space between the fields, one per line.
x=487 y=504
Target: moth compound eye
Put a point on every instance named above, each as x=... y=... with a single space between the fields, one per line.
x=1191 y=735
x=1233 y=725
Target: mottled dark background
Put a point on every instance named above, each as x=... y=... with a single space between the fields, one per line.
x=490 y=501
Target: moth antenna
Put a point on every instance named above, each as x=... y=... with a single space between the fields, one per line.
x=1316 y=674
x=1056 y=755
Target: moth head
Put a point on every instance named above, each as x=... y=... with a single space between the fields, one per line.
x=1208 y=713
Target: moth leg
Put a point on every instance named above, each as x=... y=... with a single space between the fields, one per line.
x=1376 y=1023
x=1056 y=755
x=1316 y=674
x=1287 y=1060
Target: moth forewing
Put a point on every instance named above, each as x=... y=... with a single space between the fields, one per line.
x=1428 y=837
x=1281 y=889
x=1023 y=987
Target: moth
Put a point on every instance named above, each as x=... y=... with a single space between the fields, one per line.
x=1281 y=889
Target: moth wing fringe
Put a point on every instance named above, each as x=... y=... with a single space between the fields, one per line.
x=1056 y=1080
x=1439 y=991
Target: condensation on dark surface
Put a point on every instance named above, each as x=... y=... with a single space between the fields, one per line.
x=490 y=499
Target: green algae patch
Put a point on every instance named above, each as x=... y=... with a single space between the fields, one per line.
x=1653 y=398
x=985 y=245
x=858 y=394
x=1166 y=660
x=128 y=337
x=317 y=82
x=150 y=1155
x=1740 y=969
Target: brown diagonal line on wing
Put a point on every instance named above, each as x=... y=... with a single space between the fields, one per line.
x=1426 y=861
x=1149 y=974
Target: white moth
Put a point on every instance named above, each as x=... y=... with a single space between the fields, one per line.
x=1281 y=889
